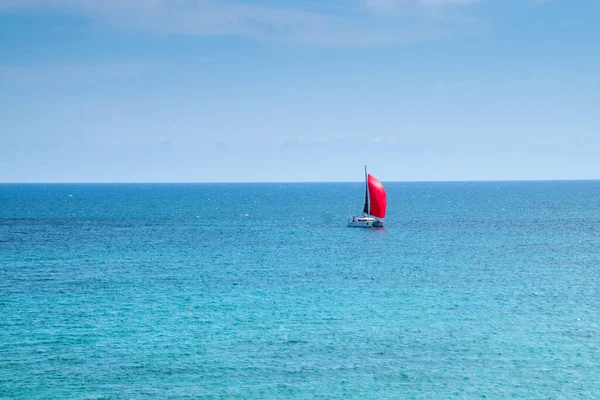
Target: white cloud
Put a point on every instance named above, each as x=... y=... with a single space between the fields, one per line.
x=260 y=21
x=383 y=5
x=446 y=2
x=390 y=5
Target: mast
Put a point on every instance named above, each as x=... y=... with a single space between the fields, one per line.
x=368 y=196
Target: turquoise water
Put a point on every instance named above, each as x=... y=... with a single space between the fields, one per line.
x=472 y=290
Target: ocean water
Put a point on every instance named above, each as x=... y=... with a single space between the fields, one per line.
x=472 y=290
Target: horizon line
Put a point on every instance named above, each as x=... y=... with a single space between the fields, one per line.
x=295 y=182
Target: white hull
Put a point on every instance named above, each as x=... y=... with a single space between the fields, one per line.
x=360 y=224
x=365 y=222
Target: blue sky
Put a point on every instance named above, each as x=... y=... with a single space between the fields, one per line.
x=262 y=90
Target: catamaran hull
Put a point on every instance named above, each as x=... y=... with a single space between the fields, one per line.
x=360 y=224
x=365 y=224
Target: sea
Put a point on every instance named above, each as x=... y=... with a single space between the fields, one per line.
x=260 y=291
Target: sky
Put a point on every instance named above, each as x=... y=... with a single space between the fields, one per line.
x=305 y=90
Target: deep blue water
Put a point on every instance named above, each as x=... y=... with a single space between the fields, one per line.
x=472 y=290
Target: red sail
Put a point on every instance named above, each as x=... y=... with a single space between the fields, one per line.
x=377 y=197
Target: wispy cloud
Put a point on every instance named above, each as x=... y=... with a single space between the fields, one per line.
x=446 y=2
x=60 y=76
x=389 y=5
x=348 y=25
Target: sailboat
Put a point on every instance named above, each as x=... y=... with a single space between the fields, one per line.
x=375 y=205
